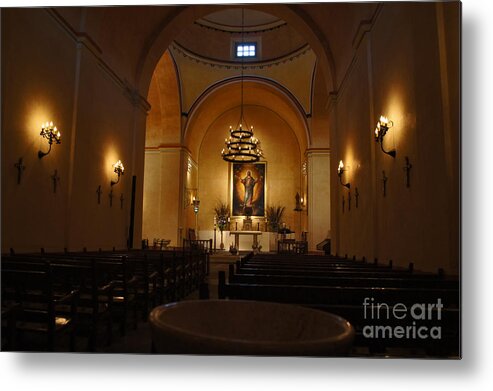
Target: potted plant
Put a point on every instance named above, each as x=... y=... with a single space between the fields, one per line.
x=221 y=212
x=274 y=217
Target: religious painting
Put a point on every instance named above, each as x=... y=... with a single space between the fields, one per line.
x=248 y=189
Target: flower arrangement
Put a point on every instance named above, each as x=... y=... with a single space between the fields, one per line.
x=221 y=211
x=274 y=217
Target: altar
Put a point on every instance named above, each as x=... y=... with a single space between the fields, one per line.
x=266 y=241
x=254 y=234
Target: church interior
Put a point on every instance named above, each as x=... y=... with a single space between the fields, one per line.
x=299 y=156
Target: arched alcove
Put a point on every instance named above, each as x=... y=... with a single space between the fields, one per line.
x=181 y=169
x=174 y=173
x=256 y=92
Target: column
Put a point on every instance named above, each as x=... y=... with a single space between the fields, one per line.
x=318 y=196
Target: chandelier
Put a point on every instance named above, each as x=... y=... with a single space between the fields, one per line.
x=241 y=146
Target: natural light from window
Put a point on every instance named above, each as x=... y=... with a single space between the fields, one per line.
x=246 y=49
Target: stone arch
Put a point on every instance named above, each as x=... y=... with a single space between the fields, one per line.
x=183 y=16
x=257 y=92
x=164 y=119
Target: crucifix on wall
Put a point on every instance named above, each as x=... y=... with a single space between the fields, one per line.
x=343 y=203
x=384 y=181
x=356 y=196
x=349 y=200
x=20 y=168
x=99 y=192
x=56 y=179
x=407 y=168
x=110 y=195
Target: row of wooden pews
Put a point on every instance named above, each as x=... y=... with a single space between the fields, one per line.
x=51 y=297
x=392 y=309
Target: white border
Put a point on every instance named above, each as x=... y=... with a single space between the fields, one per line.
x=474 y=372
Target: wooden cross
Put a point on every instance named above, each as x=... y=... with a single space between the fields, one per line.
x=20 y=168
x=343 y=203
x=356 y=196
x=384 y=180
x=349 y=201
x=56 y=179
x=121 y=201
x=99 y=192
x=407 y=168
x=111 y=197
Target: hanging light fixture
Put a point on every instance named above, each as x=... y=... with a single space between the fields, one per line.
x=241 y=146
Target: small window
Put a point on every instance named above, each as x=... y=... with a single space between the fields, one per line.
x=246 y=49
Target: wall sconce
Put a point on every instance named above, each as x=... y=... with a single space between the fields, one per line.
x=118 y=169
x=383 y=125
x=340 y=171
x=196 y=204
x=52 y=134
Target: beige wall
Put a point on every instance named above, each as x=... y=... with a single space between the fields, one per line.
x=51 y=75
x=32 y=101
x=163 y=208
x=281 y=152
x=319 y=199
x=397 y=75
x=167 y=179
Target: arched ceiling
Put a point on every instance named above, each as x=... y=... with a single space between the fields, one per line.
x=164 y=119
x=212 y=36
x=132 y=39
x=227 y=97
x=232 y=20
x=198 y=74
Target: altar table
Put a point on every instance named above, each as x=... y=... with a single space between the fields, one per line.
x=254 y=234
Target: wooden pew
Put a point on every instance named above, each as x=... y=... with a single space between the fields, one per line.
x=10 y=315
x=95 y=290
x=120 y=282
x=40 y=305
x=356 y=280
x=343 y=293
x=309 y=294
x=101 y=277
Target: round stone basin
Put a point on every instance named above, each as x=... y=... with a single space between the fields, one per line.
x=238 y=327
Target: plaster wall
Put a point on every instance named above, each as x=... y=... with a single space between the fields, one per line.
x=281 y=152
x=162 y=190
x=33 y=216
x=408 y=224
x=318 y=197
x=50 y=74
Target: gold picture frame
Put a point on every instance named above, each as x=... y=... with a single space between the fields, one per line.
x=248 y=189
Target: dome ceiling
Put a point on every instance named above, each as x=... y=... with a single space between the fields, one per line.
x=229 y=20
x=212 y=37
